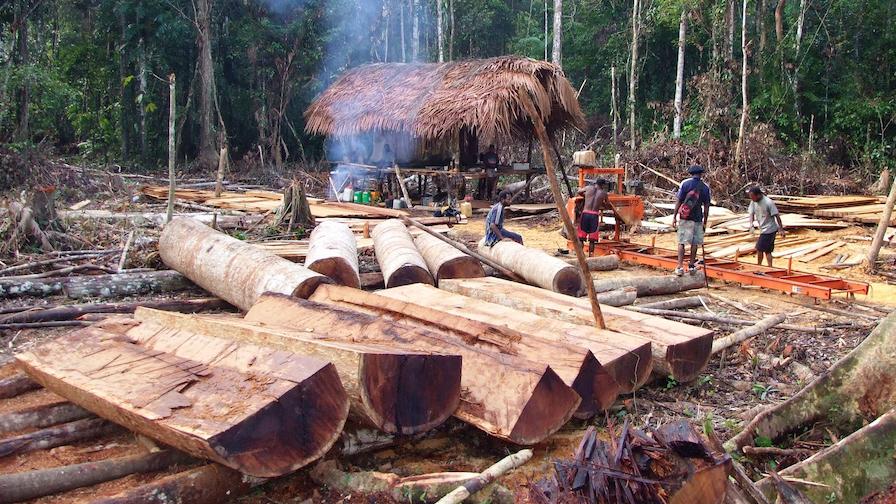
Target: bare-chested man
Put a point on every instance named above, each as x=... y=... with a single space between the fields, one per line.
x=597 y=199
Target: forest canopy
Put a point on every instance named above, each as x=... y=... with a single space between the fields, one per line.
x=90 y=77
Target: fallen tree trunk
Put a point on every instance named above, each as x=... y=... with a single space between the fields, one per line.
x=599 y=263
x=208 y=484
x=392 y=388
x=706 y=317
x=40 y=416
x=16 y=384
x=59 y=435
x=28 y=485
x=503 y=395
x=856 y=466
x=674 y=304
x=153 y=219
x=746 y=333
x=445 y=261
x=333 y=252
x=653 y=285
x=398 y=257
x=618 y=297
x=209 y=397
x=71 y=312
x=848 y=394
x=98 y=286
x=679 y=350
x=537 y=267
x=232 y=270
x=626 y=359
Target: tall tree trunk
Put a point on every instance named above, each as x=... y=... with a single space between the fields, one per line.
x=127 y=90
x=679 y=76
x=614 y=106
x=404 y=51
x=440 y=33
x=779 y=21
x=545 y=30
x=415 y=30
x=172 y=115
x=23 y=94
x=557 y=53
x=386 y=20
x=795 y=81
x=451 y=34
x=633 y=73
x=729 y=27
x=745 y=106
x=208 y=152
x=141 y=103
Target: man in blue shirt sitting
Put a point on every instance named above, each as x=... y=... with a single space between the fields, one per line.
x=494 y=222
x=692 y=209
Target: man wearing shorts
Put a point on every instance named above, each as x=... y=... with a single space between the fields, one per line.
x=692 y=208
x=597 y=199
x=765 y=213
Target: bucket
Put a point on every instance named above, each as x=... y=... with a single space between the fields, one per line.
x=357 y=197
x=365 y=197
x=466 y=209
x=396 y=204
x=347 y=194
x=374 y=196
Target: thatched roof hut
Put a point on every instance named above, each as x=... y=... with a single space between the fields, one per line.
x=437 y=102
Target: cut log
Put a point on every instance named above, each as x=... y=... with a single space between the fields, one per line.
x=16 y=384
x=264 y=412
x=486 y=477
x=618 y=297
x=98 y=286
x=679 y=350
x=747 y=333
x=505 y=396
x=537 y=267
x=681 y=437
x=674 y=304
x=599 y=263
x=445 y=261
x=58 y=435
x=392 y=388
x=857 y=465
x=576 y=365
x=71 y=312
x=653 y=285
x=333 y=252
x=855 y=390
x=234 y=271
x=720 y=320
x=28 y=485
x=40 y=416
x=628 y=360
x=398 y=257
x=208 y=484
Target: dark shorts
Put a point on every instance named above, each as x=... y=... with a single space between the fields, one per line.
x=589 y=221
x=766 y=242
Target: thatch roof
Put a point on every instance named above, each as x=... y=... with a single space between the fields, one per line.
x=434 y=101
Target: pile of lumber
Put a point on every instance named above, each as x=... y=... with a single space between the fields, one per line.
x=670 y=464
x=790 y=221
x=860 y=209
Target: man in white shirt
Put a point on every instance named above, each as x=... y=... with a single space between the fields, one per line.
x=765 y=213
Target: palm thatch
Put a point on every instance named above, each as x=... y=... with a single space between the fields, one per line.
x=435 y=101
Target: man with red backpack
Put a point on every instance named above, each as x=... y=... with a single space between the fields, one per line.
x=691 y=214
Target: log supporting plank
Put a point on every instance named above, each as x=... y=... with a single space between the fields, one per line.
x=229 y=268
x=264 y=412
x=59 y=435
x=40 y=416
x=503 y=395
x=398 y=257
x=627 y=359
x=16 y=384
x=208 y=484
x=537 y=267
x=22 y=486
x=679 y=350
x=393 y=388
x=445 y=261
x=333 y=252
x=653 y=285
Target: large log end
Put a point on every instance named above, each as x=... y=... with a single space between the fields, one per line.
x=337 y=269
x=409 y=274
x=460 y=267
x=685 y=360
x=550 y=406
x=413 y=393
x=596 y=386
x=291 y=432
x=632 y=369
x=568 y=281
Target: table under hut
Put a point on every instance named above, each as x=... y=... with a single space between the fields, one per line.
x=438 y=123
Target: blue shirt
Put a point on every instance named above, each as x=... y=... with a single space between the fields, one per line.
x=495 y=216
x=703 y=199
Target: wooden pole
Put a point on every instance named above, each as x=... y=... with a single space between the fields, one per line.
x=874 y=251
x=219 y=180
x=506 y=464
x=404 y=189
x=172 y=111
x=561 y=208
x=466 y=250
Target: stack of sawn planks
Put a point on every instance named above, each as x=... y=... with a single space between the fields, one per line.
x=860 y=209
x=269 y=392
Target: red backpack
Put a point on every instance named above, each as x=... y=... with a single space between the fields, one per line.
x=691 y=199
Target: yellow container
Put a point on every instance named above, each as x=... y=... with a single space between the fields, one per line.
x=466 y=208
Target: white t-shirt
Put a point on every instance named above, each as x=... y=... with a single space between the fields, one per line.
x=764 y=211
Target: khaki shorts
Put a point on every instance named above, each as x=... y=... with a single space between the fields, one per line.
x=690 y=233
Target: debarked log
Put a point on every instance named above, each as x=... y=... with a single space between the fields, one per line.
x=445 y=261
x=333 y=252
x=398 y=257
x=229 y=268
x=537 y=267
x=653 y=285
x=503 y=395
x=392 y=387
x=263 y=412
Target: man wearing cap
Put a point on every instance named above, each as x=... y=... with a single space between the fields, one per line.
x=764 y=212
x=692 y=209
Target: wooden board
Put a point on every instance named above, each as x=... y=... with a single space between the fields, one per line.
x=628 y=359
x=263 y=412
x=680 y=350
